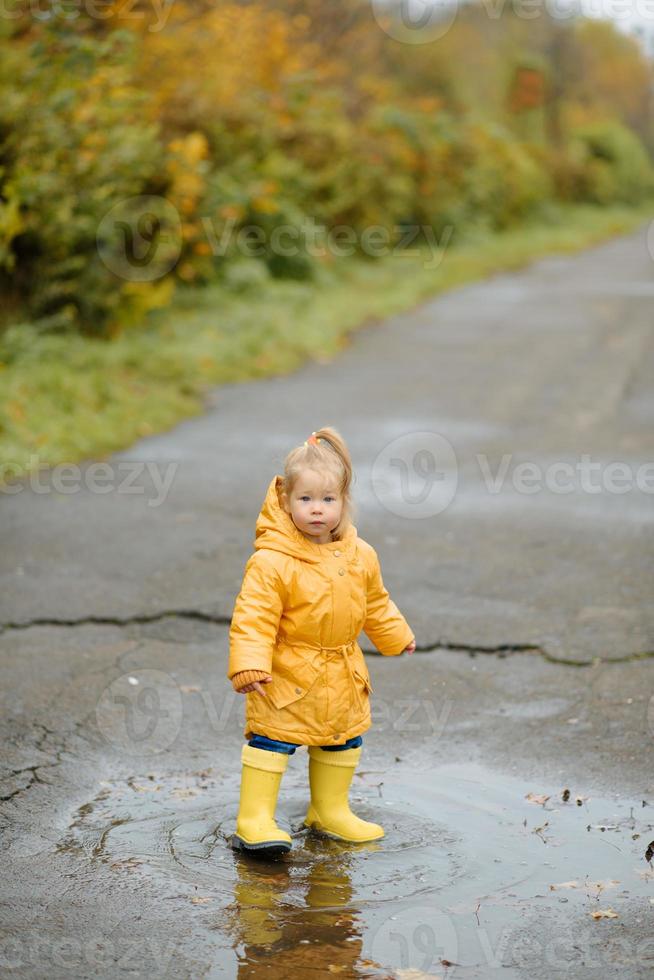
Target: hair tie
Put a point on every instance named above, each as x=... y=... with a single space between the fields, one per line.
x=312 y=440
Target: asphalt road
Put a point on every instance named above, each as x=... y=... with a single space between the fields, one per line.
x=503 y=441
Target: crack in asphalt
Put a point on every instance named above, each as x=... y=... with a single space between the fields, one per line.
x=193 y=614
x=35 y=778
x=55 y=754
x=500 y=649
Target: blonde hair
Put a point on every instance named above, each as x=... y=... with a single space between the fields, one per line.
x=328 y=456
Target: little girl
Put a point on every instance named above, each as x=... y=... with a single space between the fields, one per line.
x=308 y=590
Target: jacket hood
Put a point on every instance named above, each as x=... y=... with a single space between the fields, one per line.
x=276 y=531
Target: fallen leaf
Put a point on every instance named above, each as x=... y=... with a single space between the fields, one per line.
x=564 y=884
x=565 y=795
x=198 y=900
x=602 y=886
x=125 y=863
x=537 y=798
x=190 y=688
x=649 y=853
x=184 y=794
x=604 y=914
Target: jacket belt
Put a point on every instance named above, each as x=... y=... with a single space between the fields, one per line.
x=342 y=648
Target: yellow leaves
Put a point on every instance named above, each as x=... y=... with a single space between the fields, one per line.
x=301 y=22
x=140 y=297
x=12 y=221
x=189 y=187
x=186 y=272
x=593 y=886
x=118 y=92
x=184 y=167
x=94 y=140
x=214 y=64
x=191 y=148
x=264 y=205
x=190 y=230
x=234 y=212
x=428 y=104
x=604 y=914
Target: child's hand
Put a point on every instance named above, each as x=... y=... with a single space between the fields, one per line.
x=256 y=686
x=246 y=681
x=411 y=647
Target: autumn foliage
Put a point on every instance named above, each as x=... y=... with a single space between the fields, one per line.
x=233 y=115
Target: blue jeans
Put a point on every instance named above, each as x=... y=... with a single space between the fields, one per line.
x=273 y=745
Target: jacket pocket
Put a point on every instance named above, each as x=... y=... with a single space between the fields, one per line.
x=283 y=691
x=293 y=673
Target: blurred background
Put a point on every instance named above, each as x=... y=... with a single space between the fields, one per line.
x=196 y=192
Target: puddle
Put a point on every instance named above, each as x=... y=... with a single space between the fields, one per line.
x=469 y=881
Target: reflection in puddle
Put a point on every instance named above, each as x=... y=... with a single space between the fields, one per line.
x=324 y=935
x=469 y=869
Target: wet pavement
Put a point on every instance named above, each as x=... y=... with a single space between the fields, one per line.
x=510 y=759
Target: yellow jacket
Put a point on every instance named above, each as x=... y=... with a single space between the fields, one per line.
x=297 y=616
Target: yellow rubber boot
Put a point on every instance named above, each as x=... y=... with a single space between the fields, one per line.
x=330 y=775
x=256 y=830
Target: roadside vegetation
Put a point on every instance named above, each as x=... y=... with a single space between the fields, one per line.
x=145 y=174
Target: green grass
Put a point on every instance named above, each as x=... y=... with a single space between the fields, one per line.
x=68 y=398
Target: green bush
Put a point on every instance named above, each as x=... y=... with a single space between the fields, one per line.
x=83 y=134
x=73 y=145
x=603 y=163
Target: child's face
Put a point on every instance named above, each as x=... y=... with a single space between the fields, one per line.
x=315 y=505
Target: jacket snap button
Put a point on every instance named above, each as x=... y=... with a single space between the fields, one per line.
x=336 y=738
x=341 y=571
x=337 y=553
x=298 y=690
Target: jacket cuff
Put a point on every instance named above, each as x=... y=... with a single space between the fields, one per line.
x=396 y=650
x=244 y=677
